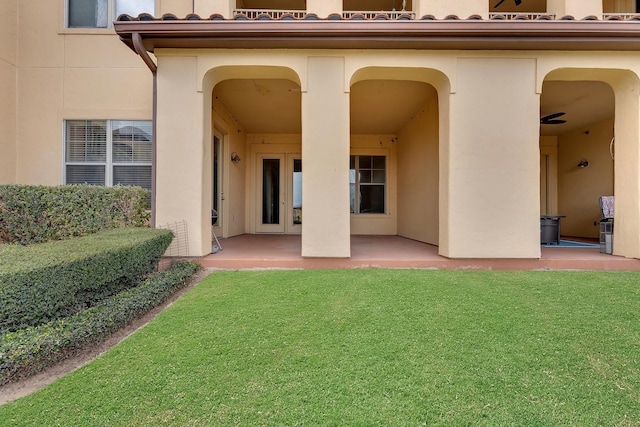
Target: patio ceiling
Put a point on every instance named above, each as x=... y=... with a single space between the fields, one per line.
x=384 y=107
x=584 y=102
x=273 y=106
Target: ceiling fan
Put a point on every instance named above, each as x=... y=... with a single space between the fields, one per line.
x=552 y=119
x=518 y=3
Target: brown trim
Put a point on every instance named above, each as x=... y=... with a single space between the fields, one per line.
x=418 y=34
x=140 y=50
x=138 y=46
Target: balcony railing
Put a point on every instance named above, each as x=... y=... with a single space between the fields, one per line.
x=525 y=16
x=300 y=14
x=384 y=14
x=620 y=16
x=272 y=13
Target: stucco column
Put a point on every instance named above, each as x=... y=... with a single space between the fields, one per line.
x=325 y=161
x=324 y=8
x=441 y=9
x=206 y=8
x=626 y=241
x=576 y=8
x=180 y=153
x=492 y=205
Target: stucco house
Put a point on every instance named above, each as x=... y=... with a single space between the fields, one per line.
x=455 y=123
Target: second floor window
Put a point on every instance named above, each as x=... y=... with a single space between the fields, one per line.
x=101 y=13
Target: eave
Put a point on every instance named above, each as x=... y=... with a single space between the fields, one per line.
x=415 y=34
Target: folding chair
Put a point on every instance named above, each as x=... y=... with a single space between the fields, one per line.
x=214 y=219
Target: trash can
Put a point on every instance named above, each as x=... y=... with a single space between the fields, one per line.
x=606 y=237
x=550 y=229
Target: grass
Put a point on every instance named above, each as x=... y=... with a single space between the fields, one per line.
x=368 y=347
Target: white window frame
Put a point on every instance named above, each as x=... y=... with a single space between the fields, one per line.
x=358 y=183
x=111 y=15
x=108 y=164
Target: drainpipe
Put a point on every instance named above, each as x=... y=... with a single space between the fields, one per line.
x=142 y=52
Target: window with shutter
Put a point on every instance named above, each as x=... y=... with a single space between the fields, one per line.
x=108 y=152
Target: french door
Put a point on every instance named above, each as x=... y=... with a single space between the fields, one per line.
x=279 y=193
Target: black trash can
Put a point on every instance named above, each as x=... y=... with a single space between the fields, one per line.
x=550 y=229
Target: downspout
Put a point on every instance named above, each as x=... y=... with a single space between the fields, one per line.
x=142 y=52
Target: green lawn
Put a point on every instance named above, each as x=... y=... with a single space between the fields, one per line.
x=368 y=347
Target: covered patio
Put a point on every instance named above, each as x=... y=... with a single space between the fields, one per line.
x=273 y=251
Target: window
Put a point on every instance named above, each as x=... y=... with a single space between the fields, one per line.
x=108 y=152
x=367 y=182
x=101 y=13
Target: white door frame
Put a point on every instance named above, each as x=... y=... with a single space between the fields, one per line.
x=286 y=214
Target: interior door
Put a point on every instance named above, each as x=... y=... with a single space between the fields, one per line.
x=271 y=194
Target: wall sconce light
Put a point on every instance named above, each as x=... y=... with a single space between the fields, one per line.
x=235 y=158
x=583 y=163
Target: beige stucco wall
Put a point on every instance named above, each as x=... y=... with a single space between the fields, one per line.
x=441 y=9
x=418 y=175
x=65 y=74
x=184 y=152
x=8 y=82
x=575 y=8
x=580 y=188
x=325 y=150
x=494 y=160
x=488 y=145
x=234 y=175
x=324 y=8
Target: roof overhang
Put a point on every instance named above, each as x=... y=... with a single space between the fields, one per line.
x=416 y=34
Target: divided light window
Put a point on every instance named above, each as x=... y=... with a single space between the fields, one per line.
x=108 y=152
x=101 y=13
x=367 y=184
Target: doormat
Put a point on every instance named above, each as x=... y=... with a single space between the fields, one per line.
x=571 y=244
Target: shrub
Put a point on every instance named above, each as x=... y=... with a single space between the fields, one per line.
x=49 y=281
x=30 y=350
x=34 y=214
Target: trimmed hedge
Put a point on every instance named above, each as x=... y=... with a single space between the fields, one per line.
x=30 y=350
x=34 y=214
x=41 y=283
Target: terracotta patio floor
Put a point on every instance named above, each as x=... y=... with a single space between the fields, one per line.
x=268 y=251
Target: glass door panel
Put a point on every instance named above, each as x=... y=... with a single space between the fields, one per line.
x=294 y=196
x=271 y=194
x=271 y=191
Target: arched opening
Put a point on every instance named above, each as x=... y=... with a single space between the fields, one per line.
x=576 y=166
x=261 y=121
x=394 y=158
